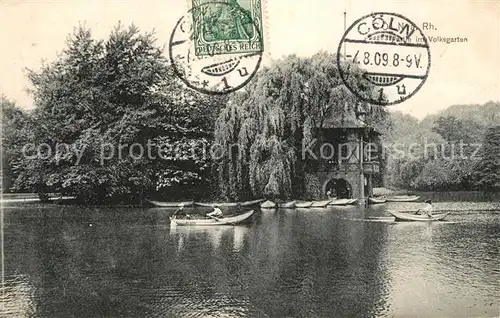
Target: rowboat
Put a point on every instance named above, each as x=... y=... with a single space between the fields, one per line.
x=377 y=200
x=287 y=205
x=211 y=205
x=343 y=202
x=268 y=205
x=403 y=198
x=27 y=199
x=228 y=204
x=320 y=204
x=20 y=200
x=227 y=220
x=303 y=204
x=417 y=217
x=171 y=204
x=353 y=201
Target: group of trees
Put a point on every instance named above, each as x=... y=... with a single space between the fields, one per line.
x=16 y=128
x=270 y=121
x=101 y=97
x=457 y=149
x=92 y=104
x=117 y=124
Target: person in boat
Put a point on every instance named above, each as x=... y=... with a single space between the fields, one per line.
x=216 y=212
x=427 y=208
x=180 y=212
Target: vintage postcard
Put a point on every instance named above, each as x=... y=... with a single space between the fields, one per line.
x=250 y=158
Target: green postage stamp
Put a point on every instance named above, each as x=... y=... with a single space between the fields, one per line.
x=227 y=26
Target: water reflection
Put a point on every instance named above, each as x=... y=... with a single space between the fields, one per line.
x=234 y=235
x=446 y=268
x=294 y=263
x=17 y=296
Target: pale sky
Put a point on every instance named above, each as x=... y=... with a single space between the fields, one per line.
x=461 y=73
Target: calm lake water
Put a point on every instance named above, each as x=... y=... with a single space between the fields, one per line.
x=65 y=261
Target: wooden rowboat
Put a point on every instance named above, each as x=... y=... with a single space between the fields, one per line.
x=343 y=202
x=417 y=217
x=228 y=220
x=171 y=204
x=228 y=204
x=320 y=204
x=211 y=205
x=250 y=203
x=287 y=205
x=303 y=204
x=353 y=201
x=377 y=200
x=27 y=199
x=411 y=198
x=268 y=205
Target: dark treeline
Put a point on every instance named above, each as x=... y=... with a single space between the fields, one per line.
x=113 y=124
x=457 y=149
x=99 y=98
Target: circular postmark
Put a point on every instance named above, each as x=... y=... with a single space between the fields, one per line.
x=387 y=52
x=229 y=60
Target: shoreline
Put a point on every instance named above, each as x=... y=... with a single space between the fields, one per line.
x=7 y=199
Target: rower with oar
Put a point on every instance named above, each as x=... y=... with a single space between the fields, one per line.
x=180 y=212
x=216 y=213
x=427 y=208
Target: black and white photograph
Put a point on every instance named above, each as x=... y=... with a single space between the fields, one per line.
x=250 y=158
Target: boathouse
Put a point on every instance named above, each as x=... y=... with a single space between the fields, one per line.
x=349 y=173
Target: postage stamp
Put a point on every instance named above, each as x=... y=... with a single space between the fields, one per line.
x=392 y=55
x=228 y=63
x=227 y=26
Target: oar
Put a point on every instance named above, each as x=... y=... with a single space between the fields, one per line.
x=213 y=217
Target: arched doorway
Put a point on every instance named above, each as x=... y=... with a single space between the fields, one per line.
x=339 y=188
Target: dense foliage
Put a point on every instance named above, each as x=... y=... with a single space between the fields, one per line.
x=263 y=128
x=448 y=152
x=101 y=97
x=487 y=172
x=112 y=124
x=16 y=128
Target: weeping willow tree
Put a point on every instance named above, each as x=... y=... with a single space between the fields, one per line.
x=261 y=129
